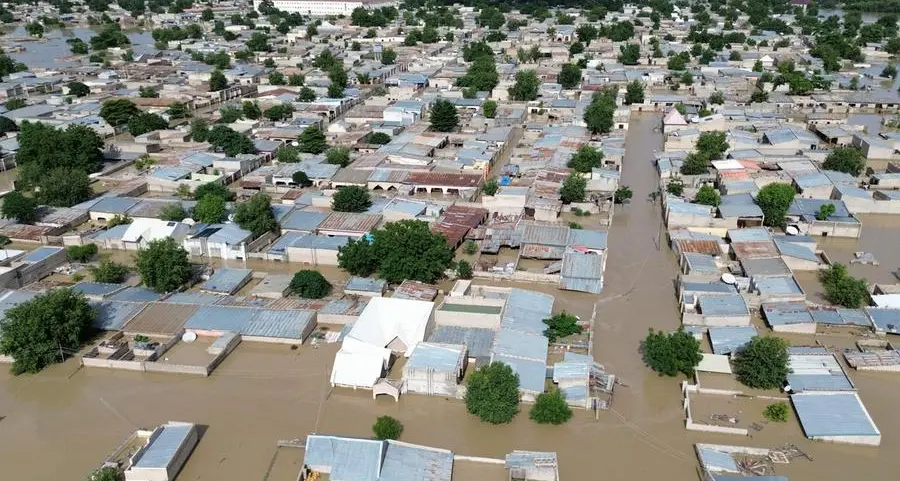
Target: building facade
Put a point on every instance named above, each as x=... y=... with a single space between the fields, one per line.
x=323 y=8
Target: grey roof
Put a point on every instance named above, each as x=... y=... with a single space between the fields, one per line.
x=219 y=318
x=701 y=262
x=545 y=234
x=592 y=239
x=520 y=345
x=714 y=460
x=885 y=319
x=305 y=221
x=749 y=234
x=530 y=459
x=778 y=285
x=320 y=242
x=365 y=284
x=786 y=313
x=526 y=310
x=826 y=414
x=278 y=324
x=739 y=209
x=349 y=307
x=689 y=209
x=582 y=271
x=812 y=179
x=408 y=462
x=478 y=340
x=136 y=294
x=741 y=477
x=764 y=267
x=816 y=372
x=726 y=340
x=723 y=305
x=280 y=246
x=200 y=298
x=97 y=289
x=437 y=357
x=795 y=250
x=349 y=459
x=571 y=371
x=532 y=373
x=111 y=316
x=165 y=446
x=807 y=209
x=114 y=205
x=840 y=316
x=40 y=254
x=227 y=280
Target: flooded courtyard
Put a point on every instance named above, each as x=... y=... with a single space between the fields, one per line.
x=72 y=418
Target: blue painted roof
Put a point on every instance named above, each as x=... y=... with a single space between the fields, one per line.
x=349 y=459
x=164 y=447
x=520 y=345
x=796 y=250
x=840 y=414
x=526 y=310
x=778 y=285
x=786 y=313
x=532 y=373
x=312 y=241
x=885 y=319
x=40 y=254
x=114 y=205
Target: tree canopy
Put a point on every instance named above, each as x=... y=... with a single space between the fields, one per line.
x=586 y=159
x=401 y=250
x=561 y=325
x=492 y=393
x=443 y=116
x=351 y=198
x=712 y=144
x=109 y=272
x=386 y=427
x=570 y=76
x=210 y=209
x=708 y=195
x=634 y=92
x=599 y=113
x=118 y=112
x=256 y=214
x=146 y=122
x=312 y=140
x=20 y=208
x=774 y=200
x=229 y=141
x=163 y=265
x=174 y=212
x=845 y=159
x=490 y=108
x=78 y=89
x=309 y=284
x=573 y=189
x=550 y=408
x=43 y=148
x=762 y=363
x=843 y=289
x=338 y=156
x=671 y=353
x=217 y=81
x=44 y=330
x=526 y=86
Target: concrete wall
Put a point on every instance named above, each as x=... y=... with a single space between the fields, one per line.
x=175 y=465
x=807 y=328
x=316 y=257
x=863 y=440
x=834 y=229
x=697 y=319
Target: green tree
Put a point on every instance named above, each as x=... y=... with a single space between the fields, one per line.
x=300 y=178
x=118 y=112
x=569 y=76
x=463 y=270
x=296 y=80
x=352 y=198
x=576 y=48
x=7 y=125
x=550 y=408
x=388 y=56
x=712 y=144
x=259 y=42
x=490 y=187
x=825 y=211
x=671 y=353
x=83 y=253
x=586 y=33
x=199 y=130
x=492 y=393
x=214 y=189
x=634 y=92
x=312 y=140
x=230 y=142
x=629 y=54
x=845 y=159
x=163 y=265
x=145 y=122
x=599 y=113
x=20 y=208
x=177 y=110
x=482 y=75
x=572 y=189
x=39 y=332
x=695 y=163
x=306 y=95
x=256 y=215
x=401 y=250
x=676 y=62
x=217 y=81
x=675 y=187
x=174 y=212
x=338 y=156
x=277 y=78
x=762 y=363
x=490 y=108
x=309 y=284
x=717 y=98
x=107 y=473
x=735 y=56
x=777 y=412
x=62 y=187
x=288 y=154
x=843 y=289
x=338 y=77
x=77 y=46
x=708 y=195
x=15 y=104
x=109 y=272
x=279 y=112
x=759 y=97
x=251 y=110
x=623 y=194
x=774 y=200
x=207 y=15
x=210 y=209
x=78 y=89
x=561 y=325
x=230 y=114
x=586 y=159
x=443 y=116
x=386 y=427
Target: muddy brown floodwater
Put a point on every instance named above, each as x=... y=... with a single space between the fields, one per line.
x=61 y=423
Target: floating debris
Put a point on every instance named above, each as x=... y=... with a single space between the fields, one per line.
x=865 y=258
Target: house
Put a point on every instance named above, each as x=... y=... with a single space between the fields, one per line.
x=225 y=241
x=162 y=457
x=317 y=250
x=357 y=459
x=227 y=281
x=385 y=327
x=836 y=417
x=435 y=369
x=804 y=213
x=873 y=147
x=363 y=286
x=348 y=224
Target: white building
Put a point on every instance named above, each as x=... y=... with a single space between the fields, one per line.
x=165 y=452
x=323 y=8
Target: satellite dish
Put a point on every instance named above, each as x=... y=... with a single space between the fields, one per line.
x=729 y=279
x=792 y=230
x=188 y=221
x=188 y=337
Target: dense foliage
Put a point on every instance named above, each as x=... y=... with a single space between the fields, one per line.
x=443 y=116
x=561 y=325
x=774 y=200
x=163 y=265
x=777 y=412
x=401 y=250
x=46 y=329
x=312 y=140
x=82 y=253
x=492 y=393
x=109 y=272
x=526 y=86
x=843 y=289
x=386 y=427
x=586 y=159
x=762 y=363
x=550 y=408
x=58 y=161
x=351 y=198
x=573 y=189
x=19 y=208
x=845 y=159
x=256 y=214
x=599 y=113
x=708 y=195
x=671 y=353
x=309 y=284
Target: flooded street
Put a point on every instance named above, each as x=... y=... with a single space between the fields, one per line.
x=71 y=418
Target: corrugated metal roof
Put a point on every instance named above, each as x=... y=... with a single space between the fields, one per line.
x=591 y=239
x=520 y=345
x=885 y=319
x=365 y=284
x=199 y=298
x=582 y=272
x=778 y=285
x=722 y=305
x=278 y=324
x=786 y=313
x=570 y=371
x=227 y=280
x=817 y=372
x=795 y=250
x=165 y=446
x=740 y=210
x=765 y=267
x=114 y=205
x=826 y=414
x=717 y=461
x=840 y=316
x=136 y=294
x=350 y=222
x=218 y=318
x=698 y=263
x=726 y=340
x=699 y=246
x=304 y=221
x=477 y=340
x=111 y=316
x=526 y=310
x=323 y=242
x=552 y=235
x=530 y=459
x=348 y=458
x=348 y=307
x=437 y=357
x=532 y=373
x=160 y=318
x=749 y=234
x=754 y=249
x=97 y=289
x=684 y=208
x=40 y=254
x=408 y=462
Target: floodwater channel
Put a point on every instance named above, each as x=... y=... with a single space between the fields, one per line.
x=61 y=423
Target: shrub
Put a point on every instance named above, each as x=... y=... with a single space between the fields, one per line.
x=843 y=289
x=675 y=187
x=777 y=412
x=81 y=253
x=561 y=325
x=490 y=187
x=470 y=247
x=110 y=272
x=310 y=284
x=463 y=270
x=386 y=427
x=708 y=195
x=622 y=194
x=550 y=408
